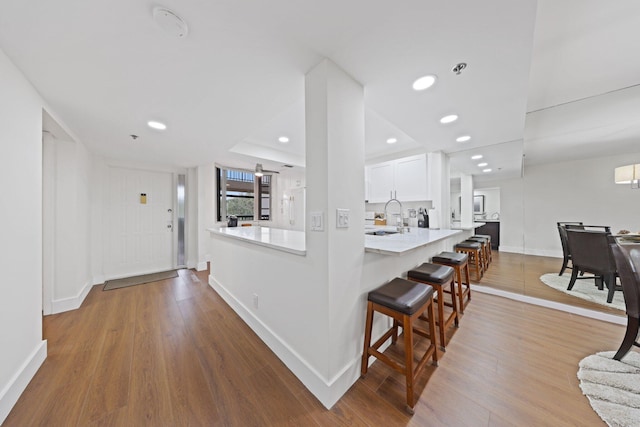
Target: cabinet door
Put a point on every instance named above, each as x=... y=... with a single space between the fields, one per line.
x=411 y=178
x=380 y=182
x=366 y=183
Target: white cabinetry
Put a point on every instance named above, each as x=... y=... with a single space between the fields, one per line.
x=381 y=182
x=405 y=179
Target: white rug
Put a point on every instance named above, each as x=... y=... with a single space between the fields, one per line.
x=585 y=289
x=612 y=387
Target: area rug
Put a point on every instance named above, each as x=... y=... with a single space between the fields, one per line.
x=585 y=289
x=612 y=387
x=138 y=280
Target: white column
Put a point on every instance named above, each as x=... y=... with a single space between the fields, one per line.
x=439 y=190
x=334 y=104
x=466 y=205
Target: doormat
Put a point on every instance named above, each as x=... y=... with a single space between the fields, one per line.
x=139 y=280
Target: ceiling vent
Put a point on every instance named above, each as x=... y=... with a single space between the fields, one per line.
x=170 y=22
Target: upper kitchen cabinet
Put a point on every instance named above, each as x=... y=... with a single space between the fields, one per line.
x=381 y=183
x=405 y=179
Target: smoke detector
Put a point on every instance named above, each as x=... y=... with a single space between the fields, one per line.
x=170 y=22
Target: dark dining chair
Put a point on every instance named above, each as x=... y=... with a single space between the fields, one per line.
x=591 y=253
x=566 y=255
x=627 y=258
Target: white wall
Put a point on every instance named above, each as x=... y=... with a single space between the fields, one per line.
x=206 y=213
x=191 y=227
x=22 y=349
x=579 y=190
x=67 y=210
x=491 y=199
x=466 y=204
x=511 y=215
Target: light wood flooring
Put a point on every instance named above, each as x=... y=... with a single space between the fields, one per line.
x=172 y=353
x=521 y=274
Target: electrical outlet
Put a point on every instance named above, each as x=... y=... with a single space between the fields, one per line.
x=255 y=301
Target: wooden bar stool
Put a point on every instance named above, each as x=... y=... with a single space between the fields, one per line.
x=438 y=276
x=485 y=249
x=473 y=250
x=405 y=301
x=487 y=236
x=459 y=262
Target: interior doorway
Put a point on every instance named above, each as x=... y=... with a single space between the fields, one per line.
x=139 y=222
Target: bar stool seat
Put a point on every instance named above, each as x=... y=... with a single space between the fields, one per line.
x=485 y=249
x=474 y=250
x=405 y=301
x=459 y=262
x=438 y=276
x=487 y=236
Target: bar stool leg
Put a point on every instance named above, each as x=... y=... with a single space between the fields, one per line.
x=408 y=356
x=367 y=339
x=466 y=270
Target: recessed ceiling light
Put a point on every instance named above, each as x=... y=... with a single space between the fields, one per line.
x=283 y=139
x=476 y=157
x=392 y=140
x=156 y=125
x=464 y=138
x=486 y=170
x=482 y=164
x=449 y=119
x=424 y=82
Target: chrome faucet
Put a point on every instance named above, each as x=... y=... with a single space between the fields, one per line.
x=399 y=224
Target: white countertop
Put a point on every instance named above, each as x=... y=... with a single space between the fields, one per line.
x=277 y=238
x=397 y=244
x=294 y=241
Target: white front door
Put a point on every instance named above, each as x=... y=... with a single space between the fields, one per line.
x=139 y=221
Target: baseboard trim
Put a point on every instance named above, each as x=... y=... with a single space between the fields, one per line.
x=18 y=383
x=543 y=252
x=584 y=312
x=327 y=391
x=511 y=249
x=527 y=251
x=72 y=303
x=201 y=266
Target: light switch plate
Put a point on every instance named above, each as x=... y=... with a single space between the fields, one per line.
x=317 y=221
x=342 y=218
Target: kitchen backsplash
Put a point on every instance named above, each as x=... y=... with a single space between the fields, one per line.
x=379 y=207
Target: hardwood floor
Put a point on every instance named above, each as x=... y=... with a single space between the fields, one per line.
x=172 y=353
x=521 y=274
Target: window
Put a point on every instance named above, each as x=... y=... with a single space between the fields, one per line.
x=243 y=194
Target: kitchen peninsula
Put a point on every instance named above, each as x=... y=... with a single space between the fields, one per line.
x=390 y=242
x=280 y=284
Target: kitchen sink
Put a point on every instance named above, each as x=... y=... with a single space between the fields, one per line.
x=380 y=232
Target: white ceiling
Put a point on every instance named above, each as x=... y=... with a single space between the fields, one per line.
x=236 y=82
